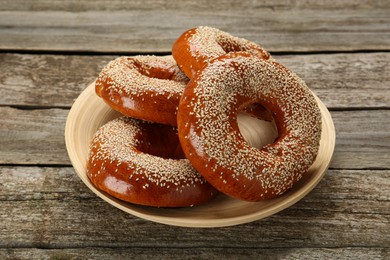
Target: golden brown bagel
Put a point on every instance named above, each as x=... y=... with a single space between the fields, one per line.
x=209 y=134
x=143 y=87
x=198 y=46
x=143 y=163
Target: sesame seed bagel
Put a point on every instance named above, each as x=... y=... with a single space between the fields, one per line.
x=209 y=135
x=142 y=163
x=198 y=46
x=143 y=87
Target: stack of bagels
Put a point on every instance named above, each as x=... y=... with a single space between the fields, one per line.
x=178 y=143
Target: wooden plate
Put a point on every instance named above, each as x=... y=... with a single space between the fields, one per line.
x=89 y=112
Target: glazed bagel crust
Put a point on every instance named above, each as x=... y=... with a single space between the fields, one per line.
x=117 y=166
x=143 y=87
x=208 y=131
x=198 y=46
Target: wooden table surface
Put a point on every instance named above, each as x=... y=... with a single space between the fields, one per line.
x=51 y=50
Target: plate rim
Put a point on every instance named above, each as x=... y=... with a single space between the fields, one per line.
x=286 y=202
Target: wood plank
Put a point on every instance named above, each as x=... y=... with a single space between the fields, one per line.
x=359 y=80
x=187 y=5
x=20 y=183
x=336 y=214
x=37 y=137
x=359 y=135
x=46 y=80
x=146 y=29
x=195 y=253
x=32 y=136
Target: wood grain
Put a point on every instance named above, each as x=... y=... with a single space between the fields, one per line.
x=199 y=253
x=37 y=137
x=55 y=210
x=358 y=80
x=143 y=28
x=359 y=136
x=188 y=5
x=46 y=80
x=32 y=136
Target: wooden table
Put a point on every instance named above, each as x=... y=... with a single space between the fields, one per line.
x=51 y=50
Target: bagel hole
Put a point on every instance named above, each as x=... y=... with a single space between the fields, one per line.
x=155 y=70
x=161 y=141
x=257 y=125
x=229 y=44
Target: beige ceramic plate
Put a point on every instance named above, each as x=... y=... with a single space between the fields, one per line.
x=89 y=112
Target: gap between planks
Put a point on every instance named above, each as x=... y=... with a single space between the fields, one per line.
x=163 y=53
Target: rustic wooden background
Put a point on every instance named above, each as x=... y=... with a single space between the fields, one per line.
x=50 y=50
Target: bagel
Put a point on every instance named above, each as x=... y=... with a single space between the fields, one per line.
x=210 y=138
x=142 y=163
x=198 y=46
x=143 y=87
